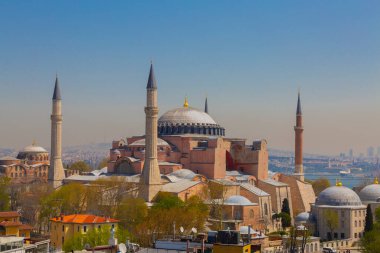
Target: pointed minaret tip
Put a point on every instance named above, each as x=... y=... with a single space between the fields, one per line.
x=151 y=80
x=206 y=106
x=299 y=110
x=57 y=91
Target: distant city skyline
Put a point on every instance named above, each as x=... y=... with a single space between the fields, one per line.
x=248 y=58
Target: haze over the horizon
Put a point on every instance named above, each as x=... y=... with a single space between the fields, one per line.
x=249 y=57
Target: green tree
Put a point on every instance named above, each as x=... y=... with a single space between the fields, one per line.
x=94 y=237
x=68 y=199
x=4 y=193
x=286 y=220
x=332 y=221
x=81 y=166
x=368 y=219
x=320 y=184
x=132 y=212
x=371 y=240
x=285 y=206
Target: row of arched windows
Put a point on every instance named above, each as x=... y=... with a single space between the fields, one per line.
x=191 y=129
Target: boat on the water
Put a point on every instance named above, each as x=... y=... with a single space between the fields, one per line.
x=345 y=172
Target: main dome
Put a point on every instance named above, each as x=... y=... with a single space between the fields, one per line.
x=188 y=120
x=338 y=196
x=370 y=193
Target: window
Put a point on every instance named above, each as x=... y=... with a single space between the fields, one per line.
x=99 y=227
x=63 y=240
x=78 y=228
x=342 y=236
x=356 y=223
x=342 y=223
x=356 y=213
x=360 y=223
x=335 y=235
x=85 y=229
x=63 y=228
x=356 y=235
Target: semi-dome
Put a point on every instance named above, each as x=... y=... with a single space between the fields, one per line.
x=188 y=120
x=141 y=142
x=237 y=200
x=338 y=196
x=370 y=193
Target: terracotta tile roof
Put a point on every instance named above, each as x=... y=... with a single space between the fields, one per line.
x=10 y=224
x=9 y=214
x=25 y=227
x=83 y=219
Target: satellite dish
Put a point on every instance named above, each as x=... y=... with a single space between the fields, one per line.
x=181 y=229
x=122 y=248
x=194 y=230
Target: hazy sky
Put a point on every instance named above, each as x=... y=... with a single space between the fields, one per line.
x=249 y=57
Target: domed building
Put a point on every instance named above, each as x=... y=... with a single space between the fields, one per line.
x=238 y=211
x=342 y=204
x=191 y=139
x=31 y=165
x=370 y=193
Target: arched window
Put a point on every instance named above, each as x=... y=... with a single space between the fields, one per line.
x=251 y=214
x=356 y=223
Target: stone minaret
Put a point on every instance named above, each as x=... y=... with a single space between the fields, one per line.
x=56 y=171
x=150 y=178
x=298 y=129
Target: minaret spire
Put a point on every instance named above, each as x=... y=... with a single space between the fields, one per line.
x=299 y=110
x=56 y=172
x=150 y=181
x=206 y=106
x=298 y=150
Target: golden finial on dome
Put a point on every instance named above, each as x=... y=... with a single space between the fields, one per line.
x=338 y=182
x=186 y=103
x=376 y=180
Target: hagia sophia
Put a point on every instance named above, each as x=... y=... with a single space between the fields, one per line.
x=185 y=150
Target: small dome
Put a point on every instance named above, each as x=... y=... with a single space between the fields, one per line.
x=33 y=149
x=302 y=217
x=370 y=193
x=183 y=173
x=338 y=196
x=237 y=200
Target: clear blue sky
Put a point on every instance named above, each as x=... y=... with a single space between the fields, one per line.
x=249 y=57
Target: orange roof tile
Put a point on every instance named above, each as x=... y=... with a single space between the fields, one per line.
x=25 y=227
x=10 y=224
x=83 y=219
x=9 y=214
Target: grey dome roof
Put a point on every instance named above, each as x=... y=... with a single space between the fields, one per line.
x=183 y=173
x=141 y=142
x=338 y=196
x=33 y=149
x=302 y=217
x=185 y=115
x=370 y=193
x=237 y=200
